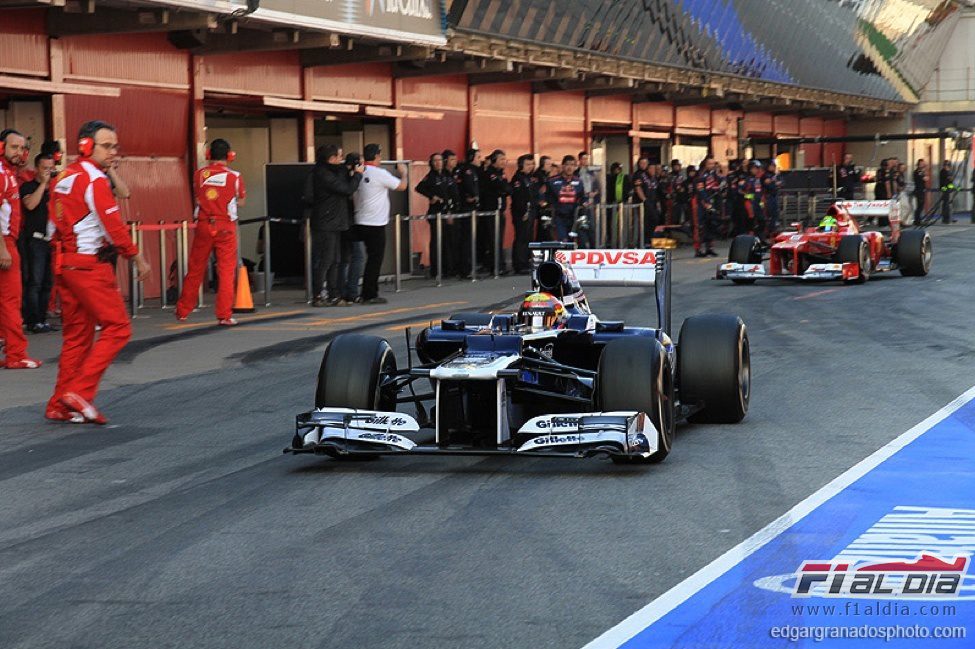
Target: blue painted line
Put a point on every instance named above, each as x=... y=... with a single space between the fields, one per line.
x=920 y=497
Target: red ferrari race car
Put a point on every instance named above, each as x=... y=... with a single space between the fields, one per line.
x=835 y=249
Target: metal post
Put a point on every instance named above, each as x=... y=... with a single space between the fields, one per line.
x=642 y=223
x=397 y=237
x=439 y=249
x=497 y=244
x=619 y=225
x=267 y=263
x=309 y=289
x=141 y=244
x=133 y=277
x=163 y=270
x=180 y=257
x=474 y=245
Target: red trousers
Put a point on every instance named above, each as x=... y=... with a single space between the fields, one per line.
x=11 y=301
x=221 y=238
x=89 y=297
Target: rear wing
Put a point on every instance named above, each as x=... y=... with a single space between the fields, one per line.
x=867 y=209
x=623 y=268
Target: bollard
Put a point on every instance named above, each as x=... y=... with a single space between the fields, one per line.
x=474 y=246
x=163 y=271
x=133 y=277
x=180 y=258
x=309 y=289
x=267 y=263
x=619 y=226
x=398 y=253
x=141 y=244
x=642 y=224
x=497 y=244
x=439 y=249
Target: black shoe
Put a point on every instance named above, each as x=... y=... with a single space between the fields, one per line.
x=376 y=300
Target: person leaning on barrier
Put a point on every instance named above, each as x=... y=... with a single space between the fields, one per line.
x=218 y=191
x=495 y=190
x=524 y=194
x=439 y=188
x=89 y=236
x=372 y=206
x=327 y=191
x=35 y=240
x=946 y=182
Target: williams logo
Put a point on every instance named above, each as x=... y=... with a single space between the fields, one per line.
x=926 y=576
x=408 y=8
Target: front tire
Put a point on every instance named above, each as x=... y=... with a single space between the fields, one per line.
x=914 y=253
x=854 y=249
x=714 y=368
x=353 y=371
x=634 y=374
x=745 y=249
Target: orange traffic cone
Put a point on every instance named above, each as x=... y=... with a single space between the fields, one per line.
x=244 y=303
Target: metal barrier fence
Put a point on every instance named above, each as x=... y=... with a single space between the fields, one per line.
x=438 y=228
x=181 y=251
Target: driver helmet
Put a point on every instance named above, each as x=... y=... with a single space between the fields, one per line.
x=542 y=312
x=828 y=224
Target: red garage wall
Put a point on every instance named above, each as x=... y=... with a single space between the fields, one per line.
x=23 y=42
x=560 y=124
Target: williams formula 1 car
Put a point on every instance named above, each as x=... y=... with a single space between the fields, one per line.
x=551 y=380
x=837 y=249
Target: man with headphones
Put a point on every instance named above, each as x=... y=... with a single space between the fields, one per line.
x=494 y=196
x=13 y=148
x=89 y=235
x=524 y=195
x=218 y=191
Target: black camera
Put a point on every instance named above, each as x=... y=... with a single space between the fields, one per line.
x=353 y=160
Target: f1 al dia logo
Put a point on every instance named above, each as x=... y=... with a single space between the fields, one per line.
x=409 y=8
x=926 y=576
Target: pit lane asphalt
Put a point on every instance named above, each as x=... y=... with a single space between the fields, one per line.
x=184 y=526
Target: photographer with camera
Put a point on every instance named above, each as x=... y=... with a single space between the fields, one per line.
x=327 y=191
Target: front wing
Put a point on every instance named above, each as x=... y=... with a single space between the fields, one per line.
x=347 y=432
x=832 y=271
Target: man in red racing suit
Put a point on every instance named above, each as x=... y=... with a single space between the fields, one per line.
x=13 y=149
x=89 y=235
x=219 y=192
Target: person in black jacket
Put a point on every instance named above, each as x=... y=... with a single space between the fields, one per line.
x=946 y=182
x=524 y=210
x=920 y=188
x=440 y=189
x=327 y=192
x=495 y=190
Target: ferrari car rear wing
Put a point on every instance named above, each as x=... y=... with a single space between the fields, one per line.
x=861 y=209
x=623 y=268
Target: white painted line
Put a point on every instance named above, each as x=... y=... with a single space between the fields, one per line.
x=677 y=595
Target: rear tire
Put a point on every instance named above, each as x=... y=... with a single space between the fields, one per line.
x=353 y=369
x=914 y=253
x=714 y=368
x=745 y=249
x=634 y=374
x=854 y=249
x=473 y=318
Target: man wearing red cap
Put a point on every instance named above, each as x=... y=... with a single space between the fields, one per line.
x=89 y=236
x=13 y=148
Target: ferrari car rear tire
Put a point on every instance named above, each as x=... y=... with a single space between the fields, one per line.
x=714 y=368
x=914 y=253
x=745 y=250
x=634 y=374
x=473 y=318
x=854 y=249
x=353 y=371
